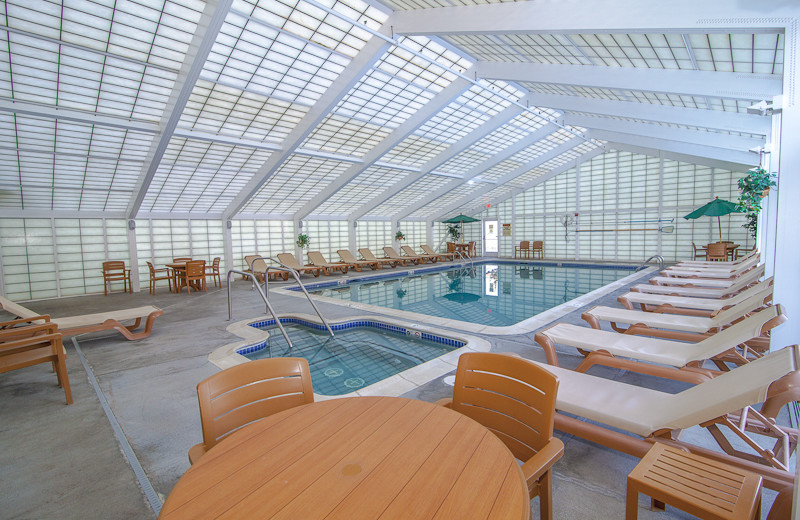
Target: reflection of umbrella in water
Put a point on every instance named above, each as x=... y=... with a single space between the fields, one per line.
x=462 y=297
x=460 y=219
x=715 y=208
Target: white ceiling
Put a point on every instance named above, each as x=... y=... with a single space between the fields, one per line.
x=346 y=109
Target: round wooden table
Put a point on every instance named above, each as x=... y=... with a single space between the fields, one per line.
x=355 y=458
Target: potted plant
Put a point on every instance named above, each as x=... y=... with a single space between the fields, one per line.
x=754 y=187
x=454 y=232
x=399 y=236
x=302 y=241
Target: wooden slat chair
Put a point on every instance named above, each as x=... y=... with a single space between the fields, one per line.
x=699 y=252
x=154 y=276
x=538 y=249
x=25 y=346
x=515 y=399
x=245 y=393
x=717 y=252
x=523 y=249
x=115 y=271
x=193 y=277
x=213 y=271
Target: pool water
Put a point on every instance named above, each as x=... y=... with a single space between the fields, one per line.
x=495 y=294
x=355 y=357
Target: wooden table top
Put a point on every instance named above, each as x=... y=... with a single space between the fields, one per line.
x=355 y=458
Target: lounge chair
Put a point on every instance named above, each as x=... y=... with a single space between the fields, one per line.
x=428 y=250
x=674 y=326
x=751 y=254
x=393 y=254
x=751 y=276
x=367 y=254
x=688 y=305
x=348 y=258
x=710 y=272
x=108 y=320
x=659 y=416
x=739 y=285
x=259 y=268
x=604 y=347
x=424 y=257
x=328 y=268
x=249 y=259
x=288 y=260
x=717 y=266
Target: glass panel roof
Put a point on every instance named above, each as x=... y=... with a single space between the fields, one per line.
x=87 y=85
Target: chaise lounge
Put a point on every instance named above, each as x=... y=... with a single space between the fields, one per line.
x=288 y=260
x=328 y=268
x=687 y=305
x=368 y=255
x=348 y=258
x=423 y=258
x=73 y=325
x=745 y=279
x=394 y=255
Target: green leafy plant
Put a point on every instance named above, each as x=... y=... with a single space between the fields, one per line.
x=754 y=187
x=399 y=236
x=302 y=240
x=454 y=231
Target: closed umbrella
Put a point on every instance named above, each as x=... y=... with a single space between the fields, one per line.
x=715 y=208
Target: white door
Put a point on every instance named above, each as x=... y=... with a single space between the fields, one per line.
x=491 y=239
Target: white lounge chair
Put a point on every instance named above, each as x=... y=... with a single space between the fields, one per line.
x=703 y=263
x=674 y=326
x=605 y=345
x=107 y=320
x=710 y=272
x=739 y=285
x=688 y=305
x=659 y=416
x=751 y=276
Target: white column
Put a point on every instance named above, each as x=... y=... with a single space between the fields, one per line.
x=227 y=244
x=133 y=255
x=352 y=226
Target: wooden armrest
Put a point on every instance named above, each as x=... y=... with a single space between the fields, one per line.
x=12 y=323
x=542 y=461
x=21 y=345
x=29 y=331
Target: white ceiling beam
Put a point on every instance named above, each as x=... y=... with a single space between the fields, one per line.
x=203 y=40
x=680 y=157
x=715 y=119
x=44 y=213
x=195 y=135
x=79 y=116
x=468 y=140
x=360 y=65
x=722 y=154
x=494 y=160
x=685 y=82
x=538 y=180
x=510 y=176
x=731 y=142
x=595 y=16
x=431 y=108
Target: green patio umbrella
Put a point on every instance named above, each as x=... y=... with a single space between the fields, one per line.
x=715 y=208
x=460 y=219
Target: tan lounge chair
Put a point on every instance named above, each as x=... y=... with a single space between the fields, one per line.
x=367 y=254
x=674 y=326
x=688 y=305
x=751 y=276
x=288 y=260
x=604 y=347
x=328 y=268
x=659 y=416
x=259 y=269
x=710 y=272
x=393 y=254
x=424 y=257
x=348 y=258
x=428 y=250
x=739 y=285
x=108 y=320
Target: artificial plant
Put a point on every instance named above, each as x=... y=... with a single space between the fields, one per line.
x=753 y=187
x=302 y=241
x=399 y=235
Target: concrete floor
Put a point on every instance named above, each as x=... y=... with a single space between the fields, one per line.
x=64 y=461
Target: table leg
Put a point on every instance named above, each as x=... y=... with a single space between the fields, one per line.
x=632 y=503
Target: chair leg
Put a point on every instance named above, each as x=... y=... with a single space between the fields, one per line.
x=546 y=496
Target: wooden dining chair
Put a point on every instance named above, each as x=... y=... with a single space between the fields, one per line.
x=115 y=271
x=245 y=393
x=717 y=252
x=156 y=276
x=194 y=276
x=524 y=248
x=213 y=271
x=538 y=248
x=515 y=399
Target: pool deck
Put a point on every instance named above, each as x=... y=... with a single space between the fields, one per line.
x=65 y=462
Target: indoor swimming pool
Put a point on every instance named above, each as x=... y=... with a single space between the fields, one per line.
x=361 y=352
x=496 y=294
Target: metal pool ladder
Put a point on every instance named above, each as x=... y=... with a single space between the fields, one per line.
x=647 y=262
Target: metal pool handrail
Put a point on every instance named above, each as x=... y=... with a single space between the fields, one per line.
x=647 y=262
x=296 y=275
x=263 y=297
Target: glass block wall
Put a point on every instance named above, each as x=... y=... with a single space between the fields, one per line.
x=159 y=241
x=327 y=236
x=261 y=237
x=416 y=233
x=621 y=206
x=374 y=234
